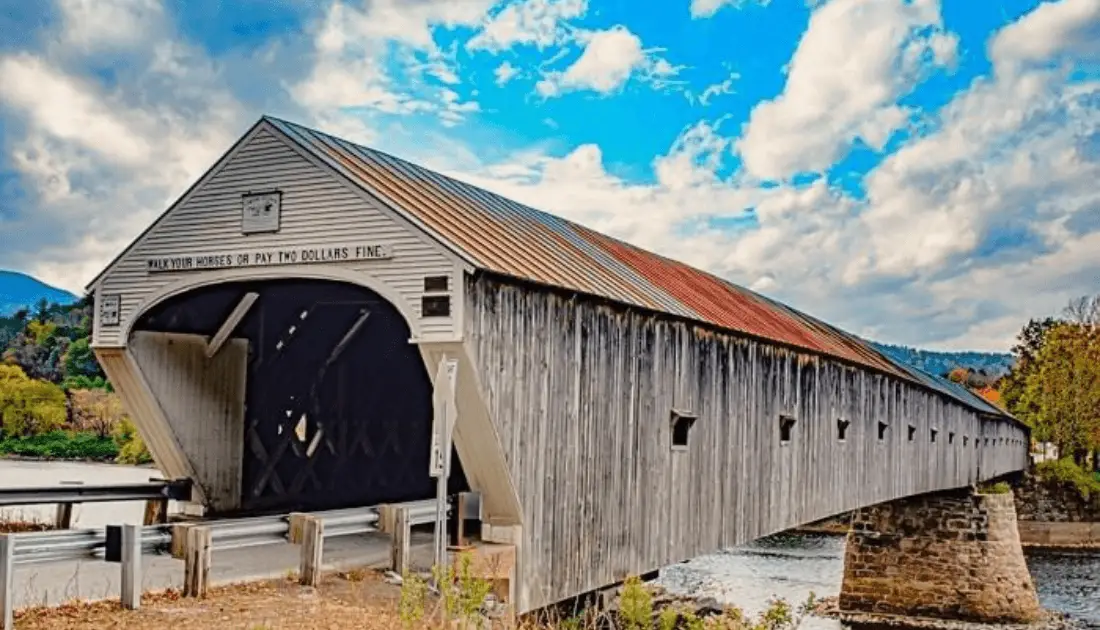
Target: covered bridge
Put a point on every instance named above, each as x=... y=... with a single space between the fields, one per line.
x=273 y=332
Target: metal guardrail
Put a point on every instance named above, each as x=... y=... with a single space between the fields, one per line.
x=179 y=490
x=236 y=533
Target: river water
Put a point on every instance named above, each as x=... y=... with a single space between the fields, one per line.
x=790 y=566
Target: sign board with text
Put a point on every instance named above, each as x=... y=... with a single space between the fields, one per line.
x=269 y=257
x=444 y=418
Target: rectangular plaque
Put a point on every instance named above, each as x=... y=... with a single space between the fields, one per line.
x=109 y=309
x=260 y=212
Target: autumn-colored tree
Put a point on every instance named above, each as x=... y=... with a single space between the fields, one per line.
x=29 y=406
x=958 y=375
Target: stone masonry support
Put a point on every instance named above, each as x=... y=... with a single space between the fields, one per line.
x=951 y=555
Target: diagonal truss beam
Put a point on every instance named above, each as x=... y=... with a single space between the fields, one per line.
x=231 y=322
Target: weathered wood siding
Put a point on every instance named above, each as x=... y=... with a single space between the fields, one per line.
x=581 y=396
x=318 y=208
x=204 y=402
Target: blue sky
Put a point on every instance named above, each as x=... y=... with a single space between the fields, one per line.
x=916 y=171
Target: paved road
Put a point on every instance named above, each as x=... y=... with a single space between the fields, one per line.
x=20 y=473
x=58 y=582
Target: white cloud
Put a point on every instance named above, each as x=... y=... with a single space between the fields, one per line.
x=725 y=86
x=707 y=8
x=834 y=97
x=963 y=234
x=1053 y=29
x=505 y=72
x=539 y=23
x=353 y=59
x=96 y=25
x=609 y=59
x=100 y=163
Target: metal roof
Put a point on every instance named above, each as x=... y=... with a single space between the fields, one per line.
x=505 y=237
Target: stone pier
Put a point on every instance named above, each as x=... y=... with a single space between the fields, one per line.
x=953 y=555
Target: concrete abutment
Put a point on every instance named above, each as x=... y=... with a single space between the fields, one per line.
x=950 y=555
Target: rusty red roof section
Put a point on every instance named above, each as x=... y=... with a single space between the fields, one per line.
x=505 y=237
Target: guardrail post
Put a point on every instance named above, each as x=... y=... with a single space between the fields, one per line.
x=7 y=582
x=385 y=518
x=313 y=542
x=179 y=539
x=196 y=559
x=296 y=527
x=156 y=512
x=402 y=535
x=63 y=517
x=131 y=567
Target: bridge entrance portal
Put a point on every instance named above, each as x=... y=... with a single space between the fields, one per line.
x=338 y=402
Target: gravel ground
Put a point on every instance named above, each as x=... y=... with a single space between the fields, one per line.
x=358 y=599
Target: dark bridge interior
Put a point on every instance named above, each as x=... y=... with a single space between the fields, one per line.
x=339 y=403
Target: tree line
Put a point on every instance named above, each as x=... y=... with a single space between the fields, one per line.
x=55 y=400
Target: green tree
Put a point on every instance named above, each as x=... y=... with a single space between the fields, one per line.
x=1061 y=392
x=79 y=361
x=1029 y=342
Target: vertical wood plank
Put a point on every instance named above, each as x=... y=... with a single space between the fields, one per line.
x=402 y=534
x=196 y=568
x=312 y=551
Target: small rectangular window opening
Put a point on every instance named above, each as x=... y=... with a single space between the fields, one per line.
x=912 y=432
x=681 y=429
x=965 y=440
x=842 y=429
x=435 y=306
x=436 y=283
x=882 y=430
x=951 y=437
x=934 y=432
x=786 y=427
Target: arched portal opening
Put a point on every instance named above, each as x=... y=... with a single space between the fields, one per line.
x=337 y=402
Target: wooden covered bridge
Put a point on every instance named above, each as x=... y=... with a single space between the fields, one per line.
x=273 y=334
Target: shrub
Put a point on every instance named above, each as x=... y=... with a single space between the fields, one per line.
x=27 y=406
x=1066 y=471
x=61 y=445
x=96 y=411
x=131 y=448
x=995 y=488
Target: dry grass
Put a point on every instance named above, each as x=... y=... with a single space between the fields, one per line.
x=18 y=527
x=364 y=601
x=17 y=521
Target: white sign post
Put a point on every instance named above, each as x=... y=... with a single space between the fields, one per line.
x=439 y=465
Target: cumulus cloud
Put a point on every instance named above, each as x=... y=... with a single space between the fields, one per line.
x=853 y=63
x=539 y=23
x=707 y=8
x=610 y=58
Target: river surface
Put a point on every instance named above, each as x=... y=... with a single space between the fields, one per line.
x=790 y=566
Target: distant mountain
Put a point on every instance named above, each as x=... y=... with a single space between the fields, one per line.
x=18 y=290
x=993 y=364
